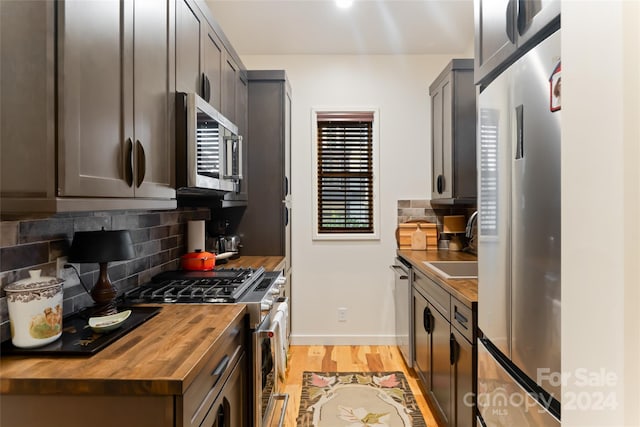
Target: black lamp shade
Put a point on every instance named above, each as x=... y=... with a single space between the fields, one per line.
x=101 y=246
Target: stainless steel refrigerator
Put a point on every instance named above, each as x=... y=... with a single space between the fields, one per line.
x=519 y=241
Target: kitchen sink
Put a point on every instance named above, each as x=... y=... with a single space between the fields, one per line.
x=454 y=269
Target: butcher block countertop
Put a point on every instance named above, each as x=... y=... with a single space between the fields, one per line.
x=270 y=263
x=466 y=290
x=160 y=357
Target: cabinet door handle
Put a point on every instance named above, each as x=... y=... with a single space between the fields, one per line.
x=129 y=169
x=141 y=162
x=205 y=87
x=220 y=368
x=521 y=16
x=439 y=183
x=426 y=319
x=220 y=417
x=286 y=216
x=452 y=349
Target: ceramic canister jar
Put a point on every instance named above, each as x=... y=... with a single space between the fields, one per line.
x=35 y=310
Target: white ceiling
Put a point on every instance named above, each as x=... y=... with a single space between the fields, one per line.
x=272 y=27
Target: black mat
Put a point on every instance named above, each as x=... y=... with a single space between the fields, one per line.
x=78 y=338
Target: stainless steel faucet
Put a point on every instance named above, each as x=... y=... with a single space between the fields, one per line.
x=470 y=233
x=471 y=222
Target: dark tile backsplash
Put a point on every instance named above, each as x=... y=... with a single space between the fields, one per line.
x=415 y=209
x=421 y=209
x=30 y=244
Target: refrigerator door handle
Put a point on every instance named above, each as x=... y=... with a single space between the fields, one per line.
x=519 y=132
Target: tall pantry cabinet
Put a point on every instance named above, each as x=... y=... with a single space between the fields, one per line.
x=265 y=226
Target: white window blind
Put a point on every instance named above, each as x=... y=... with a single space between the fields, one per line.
x=345 y=173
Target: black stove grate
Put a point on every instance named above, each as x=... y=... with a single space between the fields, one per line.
x=216 y=286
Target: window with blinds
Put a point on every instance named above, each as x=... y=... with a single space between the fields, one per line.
x=345 y=172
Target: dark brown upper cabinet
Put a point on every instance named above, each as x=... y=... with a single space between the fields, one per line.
x=99 y=131
x=206 y=63
x=453 y=135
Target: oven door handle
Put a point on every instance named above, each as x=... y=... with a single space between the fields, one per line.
x=269 y=332
x=285 y=401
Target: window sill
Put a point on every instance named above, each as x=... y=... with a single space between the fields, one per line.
x=345 y=236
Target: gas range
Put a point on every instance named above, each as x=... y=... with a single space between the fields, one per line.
x=261 y=292
x=254 y=287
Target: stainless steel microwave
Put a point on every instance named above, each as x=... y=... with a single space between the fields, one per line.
x=208 y=148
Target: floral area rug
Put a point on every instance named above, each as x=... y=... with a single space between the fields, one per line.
x=357 y=399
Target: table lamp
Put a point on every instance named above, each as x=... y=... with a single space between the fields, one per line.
x=102 y=247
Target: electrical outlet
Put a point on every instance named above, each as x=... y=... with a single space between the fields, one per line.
x=342 y=314
x=60 y=262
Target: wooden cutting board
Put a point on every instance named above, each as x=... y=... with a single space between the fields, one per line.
x=405 y=230
x=418 y=239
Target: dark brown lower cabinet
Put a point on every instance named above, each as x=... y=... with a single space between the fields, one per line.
x=441 y=380
x=445 y=357
x=215 y=396
x=228 y=409
x=463 y=373
x=422 y=338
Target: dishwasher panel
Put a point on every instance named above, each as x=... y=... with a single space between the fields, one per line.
x=404 y=309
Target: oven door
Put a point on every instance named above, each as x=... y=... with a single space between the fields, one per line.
x=270 y=345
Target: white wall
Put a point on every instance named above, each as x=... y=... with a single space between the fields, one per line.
x=355 y=275
x=601 y=212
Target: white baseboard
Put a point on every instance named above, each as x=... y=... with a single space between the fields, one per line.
x=342 y=339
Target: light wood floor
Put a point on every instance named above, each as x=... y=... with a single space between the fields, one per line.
x=346 y=359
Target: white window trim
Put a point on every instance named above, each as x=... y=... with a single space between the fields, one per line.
x=376 y=168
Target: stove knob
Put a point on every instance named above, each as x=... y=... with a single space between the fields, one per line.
x=274 y=291
x=280 y=281
x=265 y=306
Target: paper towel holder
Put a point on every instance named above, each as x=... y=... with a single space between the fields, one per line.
x=196 y=235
